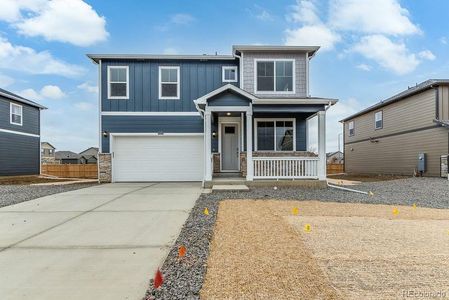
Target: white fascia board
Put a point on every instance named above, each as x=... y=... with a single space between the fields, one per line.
x=296 y=101
x=203 y=99
x=19 y=133
x=150 y=113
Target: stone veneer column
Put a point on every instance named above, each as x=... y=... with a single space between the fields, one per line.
x=104 y=166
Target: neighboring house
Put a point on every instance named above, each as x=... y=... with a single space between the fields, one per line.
x=67 y=157
x=334 y=157
x=387 y=137
x=19 y=135
x=47 y=150
x=89 y=156
x=186 y=117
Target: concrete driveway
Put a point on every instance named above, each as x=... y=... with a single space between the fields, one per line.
x=103 y=242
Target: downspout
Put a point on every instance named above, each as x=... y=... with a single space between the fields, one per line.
x=240 y=69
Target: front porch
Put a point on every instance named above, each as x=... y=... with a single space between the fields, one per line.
x=257 y=141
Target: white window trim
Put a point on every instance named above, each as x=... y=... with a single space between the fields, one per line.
x=256 y=88
x=381 y=119
x=11 y=105
x=109 y=82
x=349 y=128
x=223 y=71
x=256 y=120
x=178 y=83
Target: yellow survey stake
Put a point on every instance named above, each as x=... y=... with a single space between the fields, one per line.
x=295 y=211
x=395 y=211
x=307 y=228
x=206 y=211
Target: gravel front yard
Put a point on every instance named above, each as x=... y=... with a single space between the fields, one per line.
x=13 y=194
x=183 y=279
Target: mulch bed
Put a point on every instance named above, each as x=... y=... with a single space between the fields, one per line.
x=367 y=177
x=20 y=180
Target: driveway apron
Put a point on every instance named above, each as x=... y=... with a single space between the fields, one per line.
x=102 y=242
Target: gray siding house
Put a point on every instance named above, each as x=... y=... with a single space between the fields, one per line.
x=387 y=137
x=191 y=117
x=19 y=135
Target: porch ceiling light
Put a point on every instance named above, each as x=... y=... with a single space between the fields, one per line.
x=228 y=113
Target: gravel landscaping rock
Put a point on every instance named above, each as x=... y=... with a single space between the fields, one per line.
x=183 y=278
x=13 y=194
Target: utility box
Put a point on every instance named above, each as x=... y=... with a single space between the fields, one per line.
x=422 y=162
x=444 y=166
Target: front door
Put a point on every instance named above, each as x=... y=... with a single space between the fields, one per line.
x=229 y=147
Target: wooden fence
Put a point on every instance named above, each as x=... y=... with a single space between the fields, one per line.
x=335 y=168
x=71 y=170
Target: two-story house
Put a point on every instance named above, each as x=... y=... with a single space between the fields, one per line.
x=404 y=134
x=19 y=135
x=188 y=117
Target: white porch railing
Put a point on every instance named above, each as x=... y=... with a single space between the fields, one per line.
x=285 y=167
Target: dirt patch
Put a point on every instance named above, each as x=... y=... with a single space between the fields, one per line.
x=255 y=254
x=354 y=251
x=366 y=177
x=20 y=180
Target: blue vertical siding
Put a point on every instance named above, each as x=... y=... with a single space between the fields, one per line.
x=197 y=79
x=19 y=154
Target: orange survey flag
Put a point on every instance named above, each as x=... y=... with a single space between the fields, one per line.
x=182 y=251
x=158 y=279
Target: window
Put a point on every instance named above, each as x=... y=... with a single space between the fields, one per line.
x=169 y=82
x=275 y=135
x=351 y=128
x=378 y=120
x=229 y=74
x=118 y=82
x=275 y=76
x=15 y=114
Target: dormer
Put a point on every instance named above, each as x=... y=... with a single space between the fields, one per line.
x=275 y=71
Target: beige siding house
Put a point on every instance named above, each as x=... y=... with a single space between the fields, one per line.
x=387 y=137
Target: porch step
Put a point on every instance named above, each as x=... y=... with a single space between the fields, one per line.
x=229 y=187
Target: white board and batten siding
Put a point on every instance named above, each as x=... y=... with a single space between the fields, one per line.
x=157 y=158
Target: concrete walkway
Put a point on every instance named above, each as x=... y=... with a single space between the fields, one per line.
x=103 y=242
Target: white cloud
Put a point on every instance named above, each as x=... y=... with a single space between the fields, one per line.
x=427 y=54
x=312 y=35
x=383 y=16
x=312 y=32
x=5 y=81
x=52 y=92
x=71 y=21
x=182 y=19
x=364 y=67
x=25 y=59
x=304 y=12
x=260 y=13
x=47 y=92
x=88 y=87
x=84 y=106
x=11 y=9
x=392 y=56
x=443 y=40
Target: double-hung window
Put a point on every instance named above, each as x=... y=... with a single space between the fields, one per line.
x=229 y=74
x=378 y=120
x=275 y=135
x=15 y=114
x=275 y=76
x=118 y=82
x=351 y=128
x=169 y=82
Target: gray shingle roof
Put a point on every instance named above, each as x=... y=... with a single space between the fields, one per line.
x=66 y=155
x=12 y=96
x=409 y=92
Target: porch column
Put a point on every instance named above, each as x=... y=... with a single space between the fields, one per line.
x=322 y=145
x=207 y=146
x=249 y=146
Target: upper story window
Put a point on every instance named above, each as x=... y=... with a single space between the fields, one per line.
x=229 y=74
x=378 y=120
x=118 y=82
x=351 y=128
x=16 y=116
x=275 y=76
x=169 y=83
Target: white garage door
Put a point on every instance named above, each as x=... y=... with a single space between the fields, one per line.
x=157 y=158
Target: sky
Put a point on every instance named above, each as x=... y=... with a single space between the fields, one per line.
x=370 y=50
